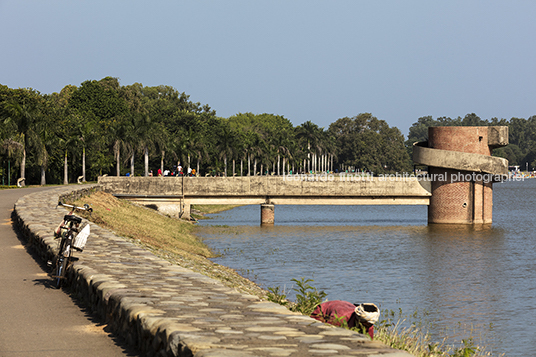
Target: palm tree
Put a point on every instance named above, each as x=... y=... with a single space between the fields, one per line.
x=47 y=138
x=67 y=143
x=226 y=145
x=311 y=136
x=282 y=145
x=250 y=147
x=24 y=116
x=201 y=150
x=119 y=134
x=330 y=145
x=13 y=149
x=162 y=140
x=187 y=144
x=144 y=135
x=83 y=130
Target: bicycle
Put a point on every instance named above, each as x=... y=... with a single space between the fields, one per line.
x=72 y=238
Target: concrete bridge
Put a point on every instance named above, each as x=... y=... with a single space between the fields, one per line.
x=458 y=188
x=175 y=196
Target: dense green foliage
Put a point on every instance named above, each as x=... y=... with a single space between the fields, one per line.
x=366 y=142
x=101 y=127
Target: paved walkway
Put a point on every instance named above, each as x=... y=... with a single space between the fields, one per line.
x=37 y=320
x=168 y=310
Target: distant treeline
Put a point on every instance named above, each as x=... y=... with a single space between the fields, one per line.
x=101 y=127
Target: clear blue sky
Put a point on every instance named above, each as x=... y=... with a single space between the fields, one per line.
x=303 y=59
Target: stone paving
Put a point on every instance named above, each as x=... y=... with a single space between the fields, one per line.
x=167 y=310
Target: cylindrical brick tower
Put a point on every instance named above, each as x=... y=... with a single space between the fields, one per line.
x=462 y=172
x=457 y=197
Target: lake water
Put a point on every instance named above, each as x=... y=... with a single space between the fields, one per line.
x=478 y=281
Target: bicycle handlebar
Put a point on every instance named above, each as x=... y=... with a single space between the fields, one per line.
x=85 y=208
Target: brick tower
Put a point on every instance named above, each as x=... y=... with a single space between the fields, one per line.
x=462 y=172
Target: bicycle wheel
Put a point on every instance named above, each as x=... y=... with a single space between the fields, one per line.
x=61 y=266
x=61 y=263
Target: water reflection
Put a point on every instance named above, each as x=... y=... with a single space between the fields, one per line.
x=462 y=264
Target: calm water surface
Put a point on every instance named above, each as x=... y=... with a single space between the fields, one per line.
x=466 y=278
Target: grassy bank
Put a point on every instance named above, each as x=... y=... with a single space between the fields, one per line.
x=168 y=238
x=209 y=209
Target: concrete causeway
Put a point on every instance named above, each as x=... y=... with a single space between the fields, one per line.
x=166 y=310
x=175 y=195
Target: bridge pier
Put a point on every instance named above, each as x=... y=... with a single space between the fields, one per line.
x=267 y=214
x=185 y=210
x=462 y=172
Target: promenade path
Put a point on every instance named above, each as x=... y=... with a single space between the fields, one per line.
x=37 y=320
x=167 y=310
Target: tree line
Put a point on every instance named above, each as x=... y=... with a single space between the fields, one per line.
x=102 y=127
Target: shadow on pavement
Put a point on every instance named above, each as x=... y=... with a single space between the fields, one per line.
x=48 y=283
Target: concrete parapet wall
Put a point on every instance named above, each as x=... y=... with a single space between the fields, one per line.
x=167 y=310
x=267 y=186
